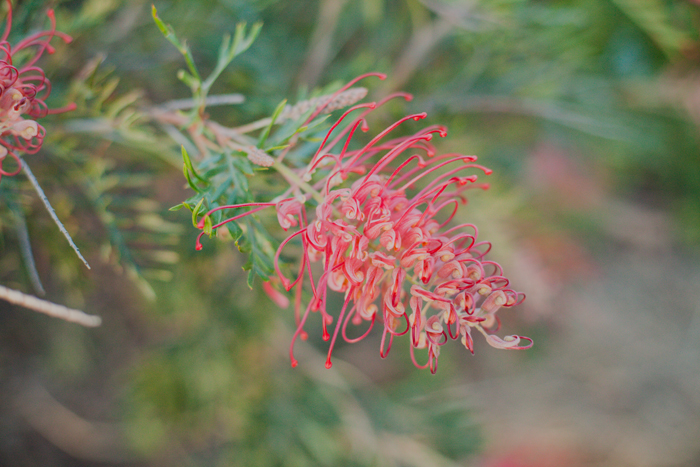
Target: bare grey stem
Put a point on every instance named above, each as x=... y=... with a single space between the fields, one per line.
x=221 y=99
x=52 y=213
x=26 y=251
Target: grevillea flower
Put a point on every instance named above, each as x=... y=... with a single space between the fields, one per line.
x=23 y=91
x=375 y=232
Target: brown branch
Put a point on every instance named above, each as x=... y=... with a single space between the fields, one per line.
x=72 y=434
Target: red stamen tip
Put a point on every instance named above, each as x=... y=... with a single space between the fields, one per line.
x=428 y=137
x=329 y=364
x=381 y=76
x=326 y=336
x=294 y=363
x=304 y=335
x=408 y=97
x=443 y=133
x=198 y=247
x=373 y=105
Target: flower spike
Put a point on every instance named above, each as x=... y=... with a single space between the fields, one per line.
x=375 y=235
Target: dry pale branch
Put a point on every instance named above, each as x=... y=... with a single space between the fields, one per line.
x=52 y=309
x=220 y=99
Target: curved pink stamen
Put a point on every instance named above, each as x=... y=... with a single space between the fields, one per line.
x=415 y=363
x=9 y=21
x=370 y=105
x=383 y=133
x=337 y=328
x=200 y=223
x=285 y=282
x=357 y=339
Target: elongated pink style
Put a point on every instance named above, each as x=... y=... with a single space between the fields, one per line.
x=23 y=92
x=376 y=235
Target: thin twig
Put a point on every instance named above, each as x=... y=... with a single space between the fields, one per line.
x=321 y=48
x=602 y=126
x=52 y=213
x=52 y=309
x=247 y=128
x=26 y=251
x=222 y=99
x=231 y=133
x=417 y=51
x=178 y=137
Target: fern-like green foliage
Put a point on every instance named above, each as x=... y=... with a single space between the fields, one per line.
x=118 y=189
x=222 y=173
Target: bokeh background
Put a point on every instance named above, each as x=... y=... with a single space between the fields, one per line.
x=587 y=110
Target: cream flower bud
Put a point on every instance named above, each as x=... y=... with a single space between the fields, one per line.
x=25 y=129
x=10 y=98
x=259 y=157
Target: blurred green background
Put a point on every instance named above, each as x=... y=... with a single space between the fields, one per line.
x=588 y=111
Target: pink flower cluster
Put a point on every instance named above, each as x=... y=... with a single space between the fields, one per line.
x=23 y=91
x=376 y=234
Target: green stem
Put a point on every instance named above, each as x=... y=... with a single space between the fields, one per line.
x=293 y=178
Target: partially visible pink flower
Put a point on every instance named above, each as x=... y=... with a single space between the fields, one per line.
x=275 y=295
x=23 y=92
x=375 y=232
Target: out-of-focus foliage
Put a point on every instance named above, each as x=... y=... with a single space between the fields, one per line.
x=577 y=105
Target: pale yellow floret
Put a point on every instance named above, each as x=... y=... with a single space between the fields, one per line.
x=25 y=129
x=335 y=180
